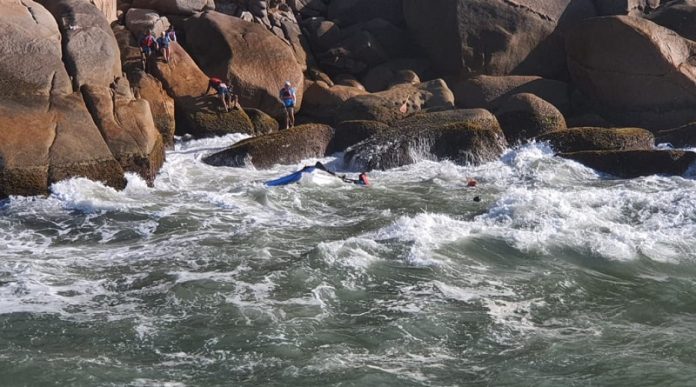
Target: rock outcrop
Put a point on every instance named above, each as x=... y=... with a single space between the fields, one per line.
x=636 y=72
x=398 y=102
x=150 y=89
x=604 y=139
x=285 y=147
x=495 y=37
x=467 y=141
x=141 y=21
x=524 y=116
x=635 y=163
x=255 y=61
x=92 y=58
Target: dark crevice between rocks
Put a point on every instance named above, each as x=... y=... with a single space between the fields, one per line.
x=31 y=12
x=521 y=6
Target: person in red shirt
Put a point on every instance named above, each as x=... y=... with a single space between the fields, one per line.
x=224 y=92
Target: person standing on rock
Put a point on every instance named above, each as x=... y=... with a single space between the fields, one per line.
x=148 y=46
x=163 y=42
x=288 y=95
x=224 y=93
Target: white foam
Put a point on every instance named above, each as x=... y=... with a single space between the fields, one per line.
x=424 y=233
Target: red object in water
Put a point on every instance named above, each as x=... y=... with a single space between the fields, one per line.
x=471 y=183
x=363 y=178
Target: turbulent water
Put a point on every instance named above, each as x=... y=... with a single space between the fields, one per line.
x=558 y=276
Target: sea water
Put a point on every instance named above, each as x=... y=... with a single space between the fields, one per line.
x=558 y=276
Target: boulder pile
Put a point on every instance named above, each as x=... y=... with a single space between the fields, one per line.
x=387 y=82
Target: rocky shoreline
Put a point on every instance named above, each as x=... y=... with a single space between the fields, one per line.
x=384 y=81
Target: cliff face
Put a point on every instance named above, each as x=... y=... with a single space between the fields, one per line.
x=54 y=67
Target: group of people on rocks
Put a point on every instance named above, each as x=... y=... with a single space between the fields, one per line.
x=150 y=46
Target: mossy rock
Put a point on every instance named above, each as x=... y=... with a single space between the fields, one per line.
x=262 y=122
x=583 y=139
x=284 y=147
x=461 y=142
x=205 y=117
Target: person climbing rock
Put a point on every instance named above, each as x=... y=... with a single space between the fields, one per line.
x=224 y=92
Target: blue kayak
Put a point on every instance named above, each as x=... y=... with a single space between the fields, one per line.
x=291 y=178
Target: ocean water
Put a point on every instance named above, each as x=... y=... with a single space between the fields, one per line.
x=559 y=276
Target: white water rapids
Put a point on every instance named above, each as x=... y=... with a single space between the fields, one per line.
x=558 y=276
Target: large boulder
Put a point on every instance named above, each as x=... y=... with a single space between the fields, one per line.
x=150 y=89
x=488 y=92
x=636 y=72
x=90 y=50
x=625 y=7
x=142 y=21
x=398 y=102
x=285 y=147
x=524 y=116
x=635 y=163
x=677 y=15
x=253 y=59
x=322 y=101
x=79 y=149
x=495 y=37
x=681 y=137
x=462 y=142
x=585 y=139
x=128 y=128
x=178 y=7
x=195 y=113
